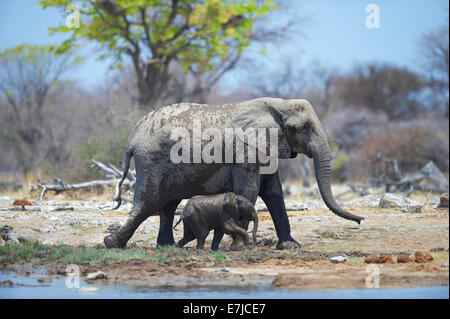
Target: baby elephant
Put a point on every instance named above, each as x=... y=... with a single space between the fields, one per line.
x=222 y=212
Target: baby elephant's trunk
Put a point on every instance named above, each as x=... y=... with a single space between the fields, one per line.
x=255 y=224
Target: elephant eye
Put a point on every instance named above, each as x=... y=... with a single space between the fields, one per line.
x=307 y=126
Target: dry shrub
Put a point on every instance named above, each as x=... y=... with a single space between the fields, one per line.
x=411 y=144
x=350 y=126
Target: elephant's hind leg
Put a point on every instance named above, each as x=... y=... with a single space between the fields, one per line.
x=139 y=214
x=218 y=235
x=188 y=236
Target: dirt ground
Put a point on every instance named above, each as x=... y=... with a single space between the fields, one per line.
x=321 y=234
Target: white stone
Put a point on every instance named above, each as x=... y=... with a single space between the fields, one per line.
x=366 y=201
x=96 y=275
x=390 y=200
x=338 y=259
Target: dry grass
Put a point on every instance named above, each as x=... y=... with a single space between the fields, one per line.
x=31 y=178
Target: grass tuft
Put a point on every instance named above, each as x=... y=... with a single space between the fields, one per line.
x=35 y=251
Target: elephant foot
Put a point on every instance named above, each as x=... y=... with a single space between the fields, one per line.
x=111 y=241
x=167 y=243
x=237 y=245
x=165 y=240
x=288 y=244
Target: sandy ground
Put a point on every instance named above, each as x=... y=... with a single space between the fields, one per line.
x=321 y=234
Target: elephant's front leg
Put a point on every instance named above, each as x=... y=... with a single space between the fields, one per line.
x=271 y=193
x=231 y=228
x=165 y=235
x=245 y=183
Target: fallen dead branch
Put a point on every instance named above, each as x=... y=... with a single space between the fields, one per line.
x=355 y=189
x=112 y=173
x=63 y=186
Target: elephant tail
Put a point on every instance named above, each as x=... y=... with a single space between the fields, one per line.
x=179 y=221
x=255 y=225
x=117 y=197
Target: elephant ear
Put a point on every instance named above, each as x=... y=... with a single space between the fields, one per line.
x=262 y=113
x=230 y=205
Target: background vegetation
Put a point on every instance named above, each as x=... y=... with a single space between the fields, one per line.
x=164 y=52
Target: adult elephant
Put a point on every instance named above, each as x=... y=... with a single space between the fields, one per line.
x=161 y=183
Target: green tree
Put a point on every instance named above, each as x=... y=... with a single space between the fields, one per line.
x=199 y=35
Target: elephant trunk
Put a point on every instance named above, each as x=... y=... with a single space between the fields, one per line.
x=322 y=169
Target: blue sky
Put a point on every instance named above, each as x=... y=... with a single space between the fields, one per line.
x=336 y=37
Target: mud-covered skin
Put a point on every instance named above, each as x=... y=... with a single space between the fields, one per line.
x=162 y=184
x=222 y=213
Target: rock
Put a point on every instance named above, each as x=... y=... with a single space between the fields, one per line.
x=8 y=235
x=443 y=201
x=390 y=200
x=385 y=260
x=431 y=175
x=261 y=207
x=403 y=259
x=6 y=283
x=420 y=257
x=437 y=249
x=295 y=206
x=338 y=259
x=44 y=280
x=366 y=201
x=96 y=275
x=378 y=260
x=428 y=257
x=88 y=290
x=444 y=265
x=371 y=259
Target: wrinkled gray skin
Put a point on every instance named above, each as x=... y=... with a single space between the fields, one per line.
x=223 y=213
x=162 y=184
